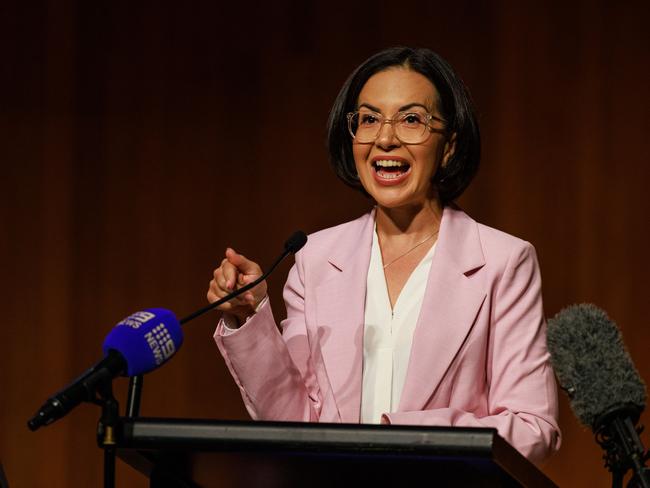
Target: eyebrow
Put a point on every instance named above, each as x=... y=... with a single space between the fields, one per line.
x=401 y=109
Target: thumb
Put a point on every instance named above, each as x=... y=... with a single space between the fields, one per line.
x=244 y=265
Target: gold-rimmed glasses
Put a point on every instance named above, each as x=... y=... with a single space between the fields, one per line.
x=410 y=127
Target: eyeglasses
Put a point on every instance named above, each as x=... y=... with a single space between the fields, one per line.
x=409 y=127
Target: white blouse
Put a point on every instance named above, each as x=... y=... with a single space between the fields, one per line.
x=388 y=334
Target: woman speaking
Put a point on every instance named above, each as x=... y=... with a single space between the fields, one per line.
x=413 y=313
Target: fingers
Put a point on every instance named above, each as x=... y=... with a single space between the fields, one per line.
x=217 y=290
x=244 y=265
x=234 y=272
x=230 y=275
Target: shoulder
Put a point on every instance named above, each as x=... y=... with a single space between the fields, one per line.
x=497 y=243
x=342 y=235
x=476 y=243
x=503 y=265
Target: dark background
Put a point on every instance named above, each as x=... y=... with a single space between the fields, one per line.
x=139 y=139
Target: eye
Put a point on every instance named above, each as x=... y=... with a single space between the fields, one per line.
x=368 y=119
x=411 y=119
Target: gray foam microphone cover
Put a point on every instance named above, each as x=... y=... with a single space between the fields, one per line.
x=592 y=363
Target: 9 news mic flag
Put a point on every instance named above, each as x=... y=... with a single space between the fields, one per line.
x=146 y=339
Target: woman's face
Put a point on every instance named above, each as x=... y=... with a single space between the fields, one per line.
x=393 y=173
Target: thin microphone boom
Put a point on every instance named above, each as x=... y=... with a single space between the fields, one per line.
x=293 y=244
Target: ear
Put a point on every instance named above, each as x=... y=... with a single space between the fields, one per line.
x=449 y=149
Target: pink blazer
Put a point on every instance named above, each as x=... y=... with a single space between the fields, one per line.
x=478 y=358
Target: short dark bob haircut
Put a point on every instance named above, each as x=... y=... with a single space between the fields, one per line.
x=454 y=104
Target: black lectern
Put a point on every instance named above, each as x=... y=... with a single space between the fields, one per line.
x=176 y=453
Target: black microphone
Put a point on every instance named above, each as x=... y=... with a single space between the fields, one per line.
x=605 y=390
x=295 y=242
x=138 y=344
x=81 y=389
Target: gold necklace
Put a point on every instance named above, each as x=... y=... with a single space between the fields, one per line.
x=411 y=250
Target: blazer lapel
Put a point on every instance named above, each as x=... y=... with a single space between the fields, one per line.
x=450 y=306
x=340 y=303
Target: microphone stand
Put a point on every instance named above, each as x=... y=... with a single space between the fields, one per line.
x=107 y=429
x=620 y=439
x=135 y=394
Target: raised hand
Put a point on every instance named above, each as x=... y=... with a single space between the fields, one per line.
x=234 y=272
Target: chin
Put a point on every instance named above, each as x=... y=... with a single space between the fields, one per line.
x=397 y=201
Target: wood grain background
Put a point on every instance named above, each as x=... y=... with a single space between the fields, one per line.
x=139 y=139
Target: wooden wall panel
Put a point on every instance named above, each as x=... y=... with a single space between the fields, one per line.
x=140 y=139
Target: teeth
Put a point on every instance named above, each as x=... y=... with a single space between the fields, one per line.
x=388 y=163
x=390 y=176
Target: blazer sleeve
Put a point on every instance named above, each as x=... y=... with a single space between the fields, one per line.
x=273 y=371
x=522 y=394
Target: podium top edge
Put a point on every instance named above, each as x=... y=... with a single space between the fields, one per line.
x=198 y=433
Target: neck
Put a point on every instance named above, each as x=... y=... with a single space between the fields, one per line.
x=415 y=221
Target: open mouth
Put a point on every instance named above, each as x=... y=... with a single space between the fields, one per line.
x=389 y=169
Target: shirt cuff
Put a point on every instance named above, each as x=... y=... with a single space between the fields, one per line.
x=230 y=322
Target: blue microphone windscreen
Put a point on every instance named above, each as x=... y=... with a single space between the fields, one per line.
x=146 y=339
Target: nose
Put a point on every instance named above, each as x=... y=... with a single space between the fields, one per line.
x=387 y=139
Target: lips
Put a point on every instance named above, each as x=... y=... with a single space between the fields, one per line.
x=390 y=171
